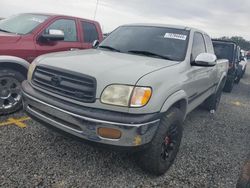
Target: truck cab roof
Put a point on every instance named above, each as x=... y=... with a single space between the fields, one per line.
x=53 y=15
x=224 y=41
x=167 y=26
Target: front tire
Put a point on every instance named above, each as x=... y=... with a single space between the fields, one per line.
x=163 y=149
x=10 y=91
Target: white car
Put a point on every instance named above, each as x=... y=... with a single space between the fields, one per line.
x=243 y=63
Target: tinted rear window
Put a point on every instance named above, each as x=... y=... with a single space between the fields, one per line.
x=90 y=32
x=224 y=51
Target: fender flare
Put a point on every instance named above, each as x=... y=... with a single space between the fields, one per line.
x=14 y=60
x=172 y=99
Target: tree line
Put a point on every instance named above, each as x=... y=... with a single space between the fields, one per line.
x=244 y=44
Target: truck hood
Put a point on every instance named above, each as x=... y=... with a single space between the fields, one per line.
x=8 y=38
x=106 y=66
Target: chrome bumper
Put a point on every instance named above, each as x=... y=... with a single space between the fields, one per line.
x=86 y=128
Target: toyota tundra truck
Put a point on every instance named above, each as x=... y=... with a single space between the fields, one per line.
x=25 y=36
x=132 y=91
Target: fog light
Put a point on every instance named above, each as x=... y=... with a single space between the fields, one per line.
x=109 y=133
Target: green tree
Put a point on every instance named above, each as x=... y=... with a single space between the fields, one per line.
x=244 y=44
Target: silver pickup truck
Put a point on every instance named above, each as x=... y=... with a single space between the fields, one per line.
x=133 y=91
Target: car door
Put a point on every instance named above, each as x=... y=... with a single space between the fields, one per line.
x=89 y=33
x=213 y=75
x=71 y=37
x=201 y=76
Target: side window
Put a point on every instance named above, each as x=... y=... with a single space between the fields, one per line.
x=198 y=45
x=89 y=32
x=210 y=48
x=67 y=26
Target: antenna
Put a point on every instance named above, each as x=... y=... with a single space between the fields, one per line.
x=96 y=7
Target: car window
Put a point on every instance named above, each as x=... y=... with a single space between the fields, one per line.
x=198 y=45
x=210 y=48
x=89 y=32
x=170 y=43
x=224 y=51
x=22 y=24
x=67 y=26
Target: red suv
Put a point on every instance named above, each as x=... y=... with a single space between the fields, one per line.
x=25 y=36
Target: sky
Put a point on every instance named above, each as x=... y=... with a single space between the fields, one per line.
x=216 y=17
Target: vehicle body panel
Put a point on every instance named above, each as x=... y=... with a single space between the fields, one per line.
x=28 y=46
x=170 y=81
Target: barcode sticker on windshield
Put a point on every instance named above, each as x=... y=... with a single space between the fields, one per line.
x=36 y=20
x=175 y=36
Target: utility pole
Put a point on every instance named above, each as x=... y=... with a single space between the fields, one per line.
x=96 y=7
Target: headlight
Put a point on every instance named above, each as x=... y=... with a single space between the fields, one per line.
x=117 y=95
x=32 y=67
x=123 y=95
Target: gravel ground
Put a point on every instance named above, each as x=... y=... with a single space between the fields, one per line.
x=213 y=150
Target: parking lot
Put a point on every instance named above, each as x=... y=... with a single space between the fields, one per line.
x=212 y=153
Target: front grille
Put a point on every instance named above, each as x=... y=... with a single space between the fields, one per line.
x=66 y=83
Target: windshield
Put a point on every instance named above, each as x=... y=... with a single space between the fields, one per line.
x=224 y=51
x=21 y=24
x=157 y=42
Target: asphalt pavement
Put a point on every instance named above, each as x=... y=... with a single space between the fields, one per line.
x=213 y=151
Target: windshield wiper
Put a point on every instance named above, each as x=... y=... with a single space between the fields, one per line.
x=5 y=31
x=110 y=48
x=147 y=53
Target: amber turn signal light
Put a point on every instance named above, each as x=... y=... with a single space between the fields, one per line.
x=141 y=96
x=109 y=133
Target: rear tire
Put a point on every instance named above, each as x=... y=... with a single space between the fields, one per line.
x=229 y=86
x=163 y=149
x=237 y=81
x=239 y=74
x=212 y=102
x=10 y=91
x=244 y=71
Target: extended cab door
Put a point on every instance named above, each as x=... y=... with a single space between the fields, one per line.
x=89 y=33
x=202 y=76
x=71 y=37
x=214 y=76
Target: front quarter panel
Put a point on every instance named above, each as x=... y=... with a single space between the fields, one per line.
x=164 y=83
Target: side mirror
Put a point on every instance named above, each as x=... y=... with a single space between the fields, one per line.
x=205 y=60
x=95 y=44
x=53 y=35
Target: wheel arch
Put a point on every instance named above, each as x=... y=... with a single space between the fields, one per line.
x=14 y=63
x=178 y=100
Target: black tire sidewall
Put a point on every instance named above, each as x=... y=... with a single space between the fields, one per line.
x=212 y=103
x=229 y=86
x=150 y=159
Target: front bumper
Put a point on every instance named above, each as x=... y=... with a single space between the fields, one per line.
x=73 y=120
